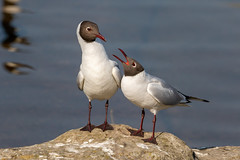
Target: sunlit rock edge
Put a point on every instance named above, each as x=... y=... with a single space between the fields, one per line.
x=116 y=144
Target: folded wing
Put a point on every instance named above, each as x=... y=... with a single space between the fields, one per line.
x=164 y=93
x=117 y=74
x=80 y=80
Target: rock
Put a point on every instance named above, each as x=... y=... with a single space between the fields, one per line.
x=114 y=144
x=218 y=153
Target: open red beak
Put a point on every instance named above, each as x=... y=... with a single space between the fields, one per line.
x=101 y=37
x=124 y=54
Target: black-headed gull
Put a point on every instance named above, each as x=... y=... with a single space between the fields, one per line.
x=150 y=92
x=99 y=77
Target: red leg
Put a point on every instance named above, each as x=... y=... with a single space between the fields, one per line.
x=152 y=139
x=105 y=126
x=140 y=131
x=89 y=127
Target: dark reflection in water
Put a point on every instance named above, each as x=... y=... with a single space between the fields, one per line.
x=9 y=9
x=13 y=67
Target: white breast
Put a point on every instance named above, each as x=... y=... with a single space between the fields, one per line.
x=97 y=71
x=134 y=89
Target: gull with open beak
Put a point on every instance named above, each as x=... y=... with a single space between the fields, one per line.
x=150 y=92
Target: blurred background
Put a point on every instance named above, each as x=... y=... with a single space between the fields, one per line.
x=193 y=45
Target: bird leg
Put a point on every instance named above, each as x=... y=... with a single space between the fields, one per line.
x=140 y=132
x=105 y=126
x=89 y=127
x=152 y=139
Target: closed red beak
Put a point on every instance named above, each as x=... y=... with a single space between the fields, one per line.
x=101 y=37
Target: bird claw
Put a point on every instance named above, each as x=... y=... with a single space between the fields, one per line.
x=150 y=140
x=88 y=127
x=139 y=132
x=105 y=126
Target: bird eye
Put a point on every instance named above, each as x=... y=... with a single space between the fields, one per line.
x=134 y=64
x=88 y=29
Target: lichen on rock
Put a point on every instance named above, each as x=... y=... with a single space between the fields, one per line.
x=114 y=144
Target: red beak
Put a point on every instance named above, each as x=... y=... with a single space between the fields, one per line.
x=124 y=54
x=101 y=37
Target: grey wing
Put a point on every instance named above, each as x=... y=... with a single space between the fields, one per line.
x=116 y=74
x=80 y=80
x=164 y=93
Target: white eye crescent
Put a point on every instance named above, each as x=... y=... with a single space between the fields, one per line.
x=134 y=64
x=88 y=29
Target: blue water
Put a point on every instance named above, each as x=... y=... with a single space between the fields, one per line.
x=193 y=45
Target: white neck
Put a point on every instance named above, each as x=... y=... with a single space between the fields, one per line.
x=91 y=50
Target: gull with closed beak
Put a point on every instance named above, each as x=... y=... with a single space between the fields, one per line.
x=98 y=77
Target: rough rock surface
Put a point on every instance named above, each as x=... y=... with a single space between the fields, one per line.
x=114 y=144
x=218 y=153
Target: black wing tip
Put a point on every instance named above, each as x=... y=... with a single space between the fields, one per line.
x=204 y=100
x=188 y=98
x=197 y=99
